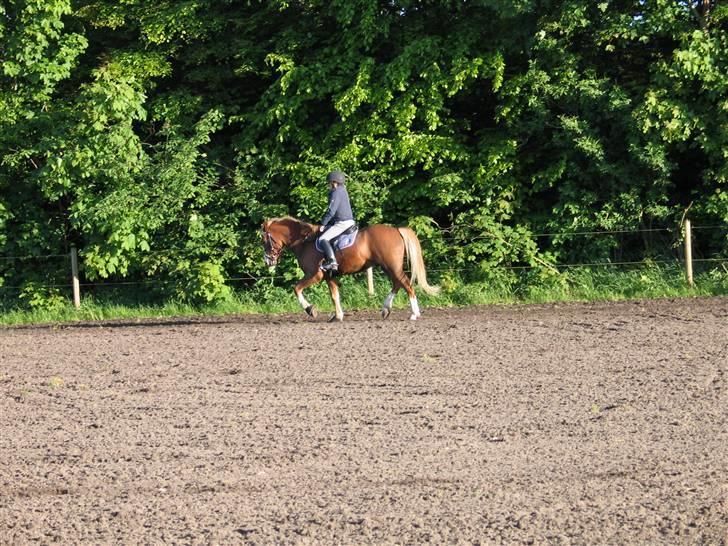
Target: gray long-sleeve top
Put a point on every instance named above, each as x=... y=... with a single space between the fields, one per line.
x=339 y=207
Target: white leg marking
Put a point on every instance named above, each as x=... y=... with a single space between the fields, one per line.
x=387 y=306
x=303 y=301
x=415 y=309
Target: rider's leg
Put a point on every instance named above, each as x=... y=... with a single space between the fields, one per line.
x=329 y=253
x=325 y=239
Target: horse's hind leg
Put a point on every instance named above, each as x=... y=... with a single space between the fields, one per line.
x=399 y=280
x=407 y=285
x=334 y=289
x=387 y=305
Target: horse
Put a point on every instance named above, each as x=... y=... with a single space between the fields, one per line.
x=378 y=244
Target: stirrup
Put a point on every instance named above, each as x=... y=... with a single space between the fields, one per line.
x=329 y=266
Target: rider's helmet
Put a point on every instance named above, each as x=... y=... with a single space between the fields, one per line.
x=336 y=176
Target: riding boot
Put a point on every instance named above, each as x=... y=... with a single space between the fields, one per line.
x=330 y=263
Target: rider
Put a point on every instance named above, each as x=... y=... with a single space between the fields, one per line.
x=338 y=217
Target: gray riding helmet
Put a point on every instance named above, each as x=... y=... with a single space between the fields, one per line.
x=336 y=176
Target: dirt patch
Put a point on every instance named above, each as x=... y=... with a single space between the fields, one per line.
x=577 y=423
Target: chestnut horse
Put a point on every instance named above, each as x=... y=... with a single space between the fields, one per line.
x=378 y=244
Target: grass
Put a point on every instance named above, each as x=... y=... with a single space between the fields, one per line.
x=586 y=284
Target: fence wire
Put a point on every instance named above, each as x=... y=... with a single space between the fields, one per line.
x=445 y=234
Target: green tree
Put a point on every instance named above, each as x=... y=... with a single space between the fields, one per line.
x=157 y=136
x=37 y=54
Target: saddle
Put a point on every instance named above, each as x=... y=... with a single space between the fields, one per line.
x=342 y=241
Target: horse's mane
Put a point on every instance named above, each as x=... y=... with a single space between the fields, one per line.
x=298 y=228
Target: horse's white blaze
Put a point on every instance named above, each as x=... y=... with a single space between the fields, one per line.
x=415 y=309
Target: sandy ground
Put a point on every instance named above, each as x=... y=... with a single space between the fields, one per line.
x=555 y=424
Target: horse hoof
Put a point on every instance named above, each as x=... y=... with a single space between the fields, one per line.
x=385 y=312
x=311 y=311
x=413 y=317
x=334 y=318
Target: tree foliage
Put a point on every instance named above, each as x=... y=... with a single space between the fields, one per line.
x=157 y=136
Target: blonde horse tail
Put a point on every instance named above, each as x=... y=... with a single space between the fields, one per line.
x=414 y=255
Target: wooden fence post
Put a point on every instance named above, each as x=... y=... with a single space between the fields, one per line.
x=688 y=253
x=370 y=280
x=74 y=274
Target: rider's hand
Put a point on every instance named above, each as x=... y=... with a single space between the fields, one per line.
x=321 y=228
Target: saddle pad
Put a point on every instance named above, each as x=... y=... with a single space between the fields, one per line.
x=345 y=240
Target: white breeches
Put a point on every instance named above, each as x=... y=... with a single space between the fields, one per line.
x=337 y=229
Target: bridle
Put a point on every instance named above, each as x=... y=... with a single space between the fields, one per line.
x=272 y=250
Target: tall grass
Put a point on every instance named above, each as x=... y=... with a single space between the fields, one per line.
x=581 y=284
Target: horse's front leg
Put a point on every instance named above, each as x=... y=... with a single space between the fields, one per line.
x=301 y=286
x=334 y=290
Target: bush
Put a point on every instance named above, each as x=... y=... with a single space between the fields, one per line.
x=201 y=283
x=36 y=297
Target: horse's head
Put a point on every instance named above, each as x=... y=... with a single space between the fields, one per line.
x=273 y=242
x=279 y=233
